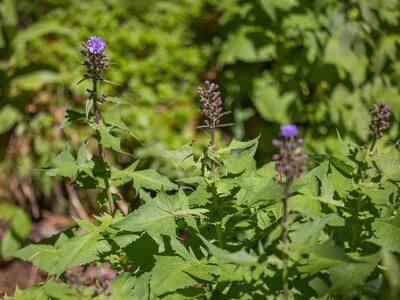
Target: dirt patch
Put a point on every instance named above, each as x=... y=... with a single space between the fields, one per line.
x=18 y=273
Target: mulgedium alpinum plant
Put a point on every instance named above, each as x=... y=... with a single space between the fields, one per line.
x=227 y=228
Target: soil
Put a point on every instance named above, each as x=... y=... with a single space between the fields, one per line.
x=18 y=273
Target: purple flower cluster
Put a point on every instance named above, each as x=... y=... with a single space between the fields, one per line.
x=211 y=103
x=290 y=161
x=380 y=115
x=95 y=44
x=289 y=130
x=96 y=62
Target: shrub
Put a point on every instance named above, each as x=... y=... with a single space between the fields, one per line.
x=226 y=229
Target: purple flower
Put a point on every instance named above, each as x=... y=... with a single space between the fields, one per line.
x=211 y=103
x=290 y=160
x=96 y=61
x=289 y=130
x=380 y=116
x=95 y=44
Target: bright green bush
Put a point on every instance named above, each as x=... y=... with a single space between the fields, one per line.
x=218 y=231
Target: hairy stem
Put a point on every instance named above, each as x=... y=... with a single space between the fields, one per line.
x=357 y=226
x=371 y=148
x=101 y=152
x=214 y=189
x=285 y=240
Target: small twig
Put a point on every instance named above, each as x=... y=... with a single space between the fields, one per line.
x=225 y=125
x=228 y=112
x=73 y=196
x=27 y=190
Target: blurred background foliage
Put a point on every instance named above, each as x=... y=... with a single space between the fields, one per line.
x=319 y=64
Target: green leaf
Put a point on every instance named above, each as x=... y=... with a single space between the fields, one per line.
x=238 y=47
x=71 y=116
x=386 y=233
x=270 y=6
x=325 y=256
x=81 y=250
x=38 y=30
x=9 y=13
x=239 y=258
x=201 y=195
x=51 y=290
x=124 y=240
x=34 y=76
x=339 y=164
x=270 y=103
x=389 y=165
x=113 y=117
x=9 y=116
x=62 y=291
x=151 y=179
x=182 y=157
x=63 y=165
x=9 y=244
x=157 y=218
x=306 y=235
x=126 y=286
x=120 y=177
x=88 y=108
x=69 y=252
x=108 y=140
x=391 y=269
x=237 y=145
x=347 y=278
x=345 y=59
x=43 y=256
x=173 y=272
x=20 y=222
x=259 y=187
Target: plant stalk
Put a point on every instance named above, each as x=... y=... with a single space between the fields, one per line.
x=214 y=189
x=371 y=148
x=100 y=146
x=285 y=240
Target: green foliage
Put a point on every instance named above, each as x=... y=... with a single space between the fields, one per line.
x=17 y=229
x=316 y=63
x=19 y=82
x=15 y=76
x=212 y=228
x=343 y=228
x=158 y=87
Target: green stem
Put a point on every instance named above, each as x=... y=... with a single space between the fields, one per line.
x=357 y=226
x=101 y=152
x=285 y=240
x=214 y=190
x=371 y=148
x=217 y=226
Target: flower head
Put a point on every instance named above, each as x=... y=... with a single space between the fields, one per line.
x=95 y=44
x=289 y=130
x=290 y=161
x=380 y=115
x=96 y=61
x=211 y=103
